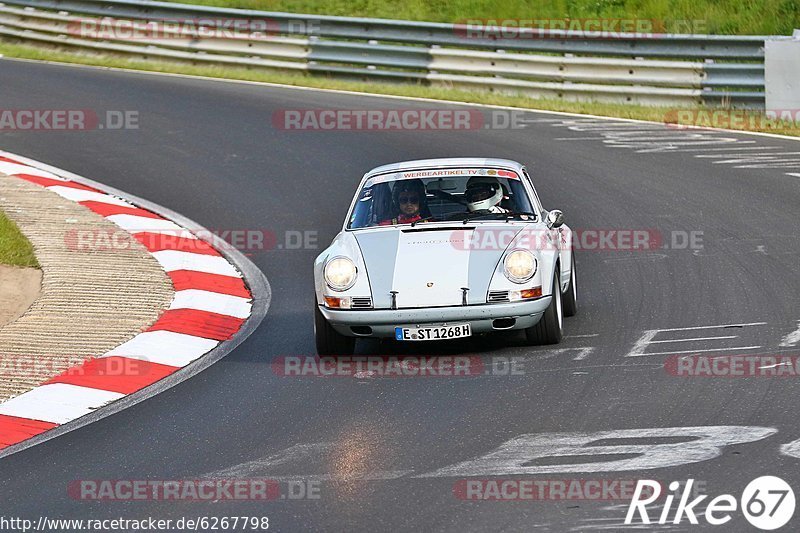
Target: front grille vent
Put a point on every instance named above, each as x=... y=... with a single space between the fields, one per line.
x=497 y=296
x=362 y=303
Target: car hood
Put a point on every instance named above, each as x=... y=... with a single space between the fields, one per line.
x=429 y=266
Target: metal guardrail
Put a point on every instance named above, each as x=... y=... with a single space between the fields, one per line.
x=657 y=69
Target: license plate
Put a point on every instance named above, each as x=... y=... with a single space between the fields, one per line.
x=434 y=333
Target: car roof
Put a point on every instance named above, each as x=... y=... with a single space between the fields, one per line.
x=446 y=162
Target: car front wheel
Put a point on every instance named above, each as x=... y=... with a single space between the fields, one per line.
x=329 y=341
x=549 y=329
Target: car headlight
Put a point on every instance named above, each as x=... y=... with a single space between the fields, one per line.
x=340 y=273
x=519 y=266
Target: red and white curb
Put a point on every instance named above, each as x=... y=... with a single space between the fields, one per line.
x=211 y=304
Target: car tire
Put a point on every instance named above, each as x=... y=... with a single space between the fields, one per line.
x=329 y=341
x=549 y=329
x=570 y=297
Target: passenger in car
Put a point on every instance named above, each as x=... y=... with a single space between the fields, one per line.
x=410 y=203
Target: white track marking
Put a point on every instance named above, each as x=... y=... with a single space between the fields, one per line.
x=212 y=302
x=378 y=475
x=80 y=195
x=796 y=175
x=669 y=138
x=791 y=339
x=755 y=160
x=738 y=148
x=300 y=456
x=514 y=456
x=670 y=146
x=715 y=327
x=792 y=163
x=776 y=365
x=695 y=351
x=648 y=337
x=16 y=168
x=583 y=353
x=696 y=339
x=641 y=344
x=164 y=347
x=792 y=449
x=577 y=138
x=581 y=336
x=172 y=260
x=57 y=403
x=134 y=224
x=752 y=156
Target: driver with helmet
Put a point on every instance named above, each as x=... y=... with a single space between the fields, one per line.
x=484 y=193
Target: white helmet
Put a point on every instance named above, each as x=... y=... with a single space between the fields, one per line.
x=483 y=193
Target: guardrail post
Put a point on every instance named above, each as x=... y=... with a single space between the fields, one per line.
x=782 y=74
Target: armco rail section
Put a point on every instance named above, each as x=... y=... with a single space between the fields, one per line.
x=656 y=69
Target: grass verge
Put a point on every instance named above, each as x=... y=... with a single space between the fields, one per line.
x=732 y=17
x=696 y=116
x=15 y=249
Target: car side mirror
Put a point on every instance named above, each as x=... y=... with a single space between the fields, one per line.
x=555 y=219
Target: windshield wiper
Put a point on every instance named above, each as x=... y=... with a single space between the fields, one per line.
x=422 y=220
x=506 y=215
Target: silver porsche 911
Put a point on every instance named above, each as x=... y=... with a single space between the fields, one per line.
x=442 y=249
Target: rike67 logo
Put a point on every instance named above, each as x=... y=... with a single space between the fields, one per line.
x=767 y=503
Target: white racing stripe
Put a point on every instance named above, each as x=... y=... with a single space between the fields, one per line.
x=57 y=403
x=172 y=260
x=80 y=195
x=446 y=273
x=213 y=302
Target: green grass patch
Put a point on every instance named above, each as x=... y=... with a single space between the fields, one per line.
x=730 y=17
x=701 y=117
x=15 y=249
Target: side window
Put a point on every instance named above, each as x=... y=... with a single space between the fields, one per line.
x=535 y=194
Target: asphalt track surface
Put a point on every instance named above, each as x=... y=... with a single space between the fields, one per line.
x=208 y=150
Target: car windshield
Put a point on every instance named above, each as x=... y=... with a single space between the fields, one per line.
x=412 y=197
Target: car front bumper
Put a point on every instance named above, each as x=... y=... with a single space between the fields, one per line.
x=482 y=318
